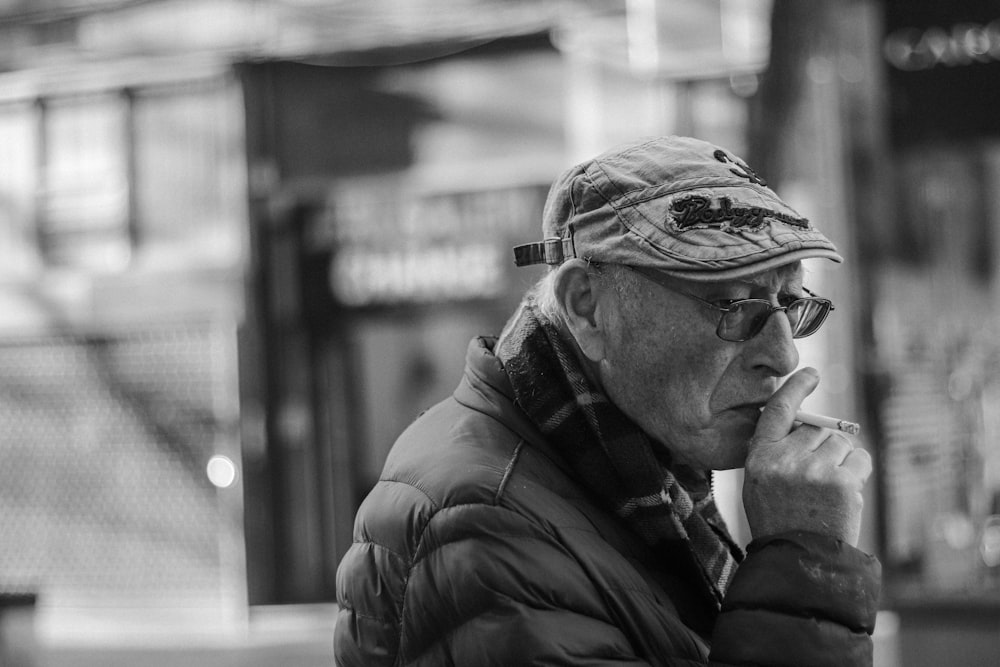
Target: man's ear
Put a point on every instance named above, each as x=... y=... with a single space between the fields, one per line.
x=579 y=296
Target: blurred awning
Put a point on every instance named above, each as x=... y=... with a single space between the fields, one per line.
x=42 y=30
x=673 y=38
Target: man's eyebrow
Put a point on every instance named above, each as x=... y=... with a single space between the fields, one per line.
x=747 y=284
x=726 y=290
x=781 y=283
x=778 y=284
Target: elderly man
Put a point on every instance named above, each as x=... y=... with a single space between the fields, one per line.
x=557 y=509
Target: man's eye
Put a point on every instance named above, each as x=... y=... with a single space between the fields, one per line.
x=725 y=303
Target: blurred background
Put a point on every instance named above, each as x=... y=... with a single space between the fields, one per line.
x=243 y=243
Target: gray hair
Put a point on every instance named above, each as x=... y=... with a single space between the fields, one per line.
x=617 y=277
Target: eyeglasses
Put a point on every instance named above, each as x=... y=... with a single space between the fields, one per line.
x=742 y=319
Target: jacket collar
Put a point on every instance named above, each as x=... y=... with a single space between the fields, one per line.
x=485 y=388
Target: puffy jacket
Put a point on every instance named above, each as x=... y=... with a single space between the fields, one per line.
x=478 y=547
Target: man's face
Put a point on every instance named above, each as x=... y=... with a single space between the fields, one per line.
x=695 y=393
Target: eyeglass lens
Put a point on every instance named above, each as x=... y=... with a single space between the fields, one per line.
x=745 y=319
x=807 y=315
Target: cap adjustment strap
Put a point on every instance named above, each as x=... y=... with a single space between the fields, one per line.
x=551 y=251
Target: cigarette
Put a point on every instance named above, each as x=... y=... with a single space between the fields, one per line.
x=828 y=422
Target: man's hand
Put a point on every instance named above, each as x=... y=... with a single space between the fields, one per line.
x=805 y=477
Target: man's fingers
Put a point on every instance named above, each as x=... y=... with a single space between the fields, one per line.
x=834 y=444
x=859 y=463
x=778 y=415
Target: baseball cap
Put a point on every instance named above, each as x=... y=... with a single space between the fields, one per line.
x=679 y=205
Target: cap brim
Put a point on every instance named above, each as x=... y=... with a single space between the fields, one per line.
x=751 y=269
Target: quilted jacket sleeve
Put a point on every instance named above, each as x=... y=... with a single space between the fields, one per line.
x=485 y=587
x=804 y=599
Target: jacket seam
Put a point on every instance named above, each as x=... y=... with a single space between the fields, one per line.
x=508 y=471
x=426 y=495
x=371 y=617
x=403 y=597
x=400 y=557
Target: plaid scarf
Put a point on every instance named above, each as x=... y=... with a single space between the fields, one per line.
x=612 y=456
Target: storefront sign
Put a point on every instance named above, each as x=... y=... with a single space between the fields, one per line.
x=912 y=49
x=361 y=276
x=943 y=70
x=388 y=242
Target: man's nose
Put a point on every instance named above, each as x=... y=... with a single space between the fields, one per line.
x=774 y=348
